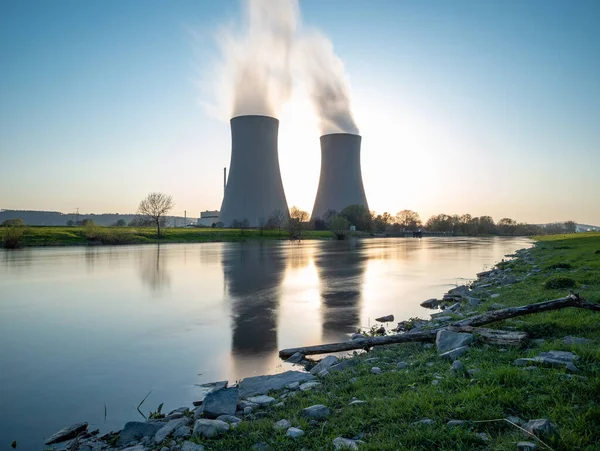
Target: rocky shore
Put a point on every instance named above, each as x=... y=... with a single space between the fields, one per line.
x=269 y=401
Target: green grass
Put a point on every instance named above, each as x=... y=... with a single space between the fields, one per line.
x=396 y=399
x=69 y=236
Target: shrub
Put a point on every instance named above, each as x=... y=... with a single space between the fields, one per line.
x=597 y=252
x=560 y=266
x=18 y=222
x=12 y=237
x=559 y=282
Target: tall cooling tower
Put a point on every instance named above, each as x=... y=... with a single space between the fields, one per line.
x=254 y=189
x=340 y=182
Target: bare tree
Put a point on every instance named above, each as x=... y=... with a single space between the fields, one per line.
x=155 y=207
x=277 y=219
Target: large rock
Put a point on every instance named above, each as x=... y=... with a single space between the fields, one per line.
x=317 y=411
x=554 y=359
x=297 y=357
x=67 y=433
x=169 y=428
x=262 y=400
x=294 y=433
x=568 y=340
x=261 y=385
x=345 y=443
x=447 y=340
x=461 y=291
x=209 y=428
x=540 y=428
x=136 y=430
x=221 y=402
x=324 y=364
x=347 y=363
x=430 y=303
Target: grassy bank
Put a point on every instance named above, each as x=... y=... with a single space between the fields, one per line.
x=77 y=236
x=397 y=398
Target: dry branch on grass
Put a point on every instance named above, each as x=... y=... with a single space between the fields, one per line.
x=465 y=325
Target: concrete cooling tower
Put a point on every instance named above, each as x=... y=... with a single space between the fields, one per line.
x=254 y=188
x=340 y=182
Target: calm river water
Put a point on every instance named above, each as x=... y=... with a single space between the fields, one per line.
x=87 y=327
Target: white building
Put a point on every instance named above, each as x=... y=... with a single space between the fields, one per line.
x=208 y=218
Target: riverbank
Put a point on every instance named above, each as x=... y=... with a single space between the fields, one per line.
x=407 y=396
x=99 y=235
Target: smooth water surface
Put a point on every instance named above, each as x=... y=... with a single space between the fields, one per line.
x=85 y=329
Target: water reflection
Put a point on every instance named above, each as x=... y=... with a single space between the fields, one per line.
x=253 y=274
x=340 y=267
x=153 y=269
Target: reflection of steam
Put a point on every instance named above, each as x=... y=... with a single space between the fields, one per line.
x=340 y=266
x=253 y=275
x=153 y=269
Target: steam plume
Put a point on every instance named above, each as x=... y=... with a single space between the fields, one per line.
x=257 y=62
x=327 y=84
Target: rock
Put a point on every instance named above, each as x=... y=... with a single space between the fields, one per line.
x=446 y=340
x=174 y=416
x=481 y=275
x=279 y=405
x=483 y=436
x=260 y=446
x=169 y=428
x=376 y=370
x=182 y=432
x=568 y=340
x=264 y=384
x=453 y=308
x=443 y=319
x=262 y=400
x=293 y=386
x=555 y=359
x=495 y=295
x=458 y=367
x=428 y=345
x=324 y=364
x=231 y=419
x=402 y=365
x=297 y=357
x=221 y=402
x=309 y=386
x=356 y=402
x=454 y=353
x=67 y=433
x=209 y=428
x=198 y=412
x=164 y=448
x=135 y=430
x=496 y=306
x=540 y=428
x=473 y=302
x=430 y=303
x=358 y=337
x=345 y=443
x=317 y=411
x=294 y=433
x=281 y=425
x=424 y=421
x=435 y=382
x=455 y=423
x=385 y=319
x=138 y=447
x=460 y=291
x=322 y=373
x=191 y=446
x=526 y=446
x=247 y=410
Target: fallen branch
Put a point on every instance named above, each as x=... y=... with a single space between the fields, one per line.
x=572 y=300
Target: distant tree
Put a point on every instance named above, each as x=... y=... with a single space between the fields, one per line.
x=297 y=223
x=277 y=220
x=16 y=222
x=408 y=219
x=339 y=227
x=440 y=223
x=507 y=226
x=262 y=222
x=359 y=216
x=570 y=227
x=155 y=207
x=486 y=226
x=382 y=222
x=70 y=223
x=328 y=216
x=87 y=222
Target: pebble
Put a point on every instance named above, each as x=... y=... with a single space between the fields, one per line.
x=526 y=446
x=345 y=443
x=425 y=421
x=281 y=425
x=376 y=370
x=317 y=411
x=402 y=365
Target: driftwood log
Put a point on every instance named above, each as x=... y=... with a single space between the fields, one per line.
x=465 y=325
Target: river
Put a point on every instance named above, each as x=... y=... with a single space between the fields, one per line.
x=87 y=332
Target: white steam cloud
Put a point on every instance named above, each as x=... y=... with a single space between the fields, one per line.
x=259 y=58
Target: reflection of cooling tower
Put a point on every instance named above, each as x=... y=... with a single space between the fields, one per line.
x=254 y=189
x=340 y=182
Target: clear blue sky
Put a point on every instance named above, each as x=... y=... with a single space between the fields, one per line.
x=474 y=107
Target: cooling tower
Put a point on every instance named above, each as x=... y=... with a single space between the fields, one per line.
x=340 y=182
x=254 y=188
